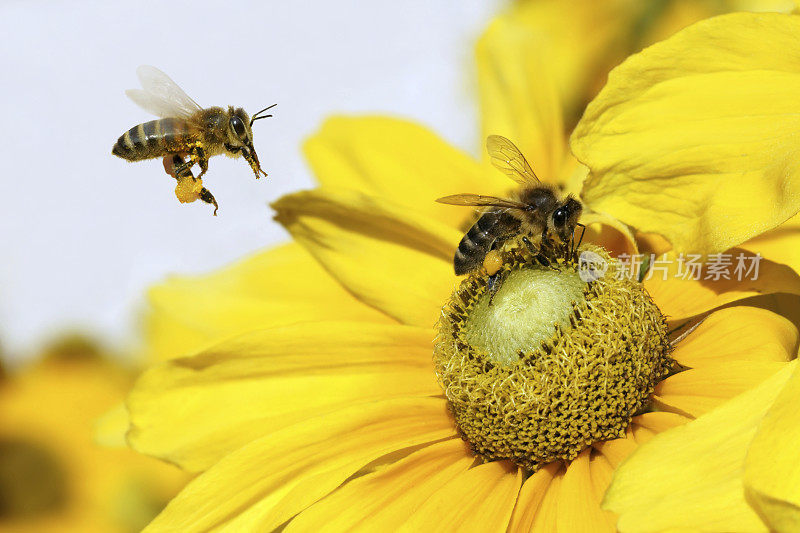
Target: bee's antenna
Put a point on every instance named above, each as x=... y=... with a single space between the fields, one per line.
x=256 y=117
x=580 y=240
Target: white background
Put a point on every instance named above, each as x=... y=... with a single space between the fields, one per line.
x=83 y=233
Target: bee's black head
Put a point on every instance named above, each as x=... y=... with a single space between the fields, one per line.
x=240 y=136
x=565 y=218
x=239 y=131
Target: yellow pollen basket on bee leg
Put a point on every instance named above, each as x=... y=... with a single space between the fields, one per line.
x=493 y=262
x=553 y=362
x=188 y=189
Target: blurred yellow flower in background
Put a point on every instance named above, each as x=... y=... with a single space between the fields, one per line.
x=53 y=477
x=310 y=397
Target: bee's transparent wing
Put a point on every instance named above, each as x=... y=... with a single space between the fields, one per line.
x=480 y=200
x=507 y=157
x=160 y=95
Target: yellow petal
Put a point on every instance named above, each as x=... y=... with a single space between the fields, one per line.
x=519 y=98
x=610 y=233
x=767 y=6
x=384 y=500
x=772 y=469
x=779 y=244
x=653 y=243
x=681 y=297
x=642 y=430
x=600 y=473
x=579 y=503
x=280 y=286
x=677 y=14
x=110 y=429
x=695 y=392
x=530 y=498
x=397 y=159
x=617 y=450
x=691 y=477
x=480 y=499
x=390 y=257
x=575 y=43
x=546 y=519
x=643 y=435
x=269 y=480
x=697 y=128
x=738 y=333
x=658 y=422
x=193 y=410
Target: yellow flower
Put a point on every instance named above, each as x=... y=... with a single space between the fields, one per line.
x=53 y=477
x=310 y=397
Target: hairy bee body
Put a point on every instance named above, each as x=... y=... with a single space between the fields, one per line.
x=206 y=129
x=490 y=228
x=496 y=226
x=155 y=138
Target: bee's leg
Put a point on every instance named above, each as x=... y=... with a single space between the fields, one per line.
x=208 y=198
x=544 y=261
x=574 y=247
x=547 y=243
x=539 y=254
x=248 y=156
x=550 y=249
x=198 y=156
x=203 y=163
x=536 y=252
x=531 y=248
x=252 y=160
x=181 y=170
x=175 y=166
x=178 y=168
x=494 y=283
x=580 y=239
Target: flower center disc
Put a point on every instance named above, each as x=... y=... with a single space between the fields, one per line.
x=549 y=363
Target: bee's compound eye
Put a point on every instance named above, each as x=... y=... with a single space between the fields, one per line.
x=238 y=127
x=560 y=216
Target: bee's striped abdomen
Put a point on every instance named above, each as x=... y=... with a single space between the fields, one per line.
x=153 y=139
x=479 y=240
x=474 y=245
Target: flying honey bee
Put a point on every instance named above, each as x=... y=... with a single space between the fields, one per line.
x=186 y=129
x=534 y=210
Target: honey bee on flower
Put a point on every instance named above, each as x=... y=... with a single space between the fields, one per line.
x=535 y=211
